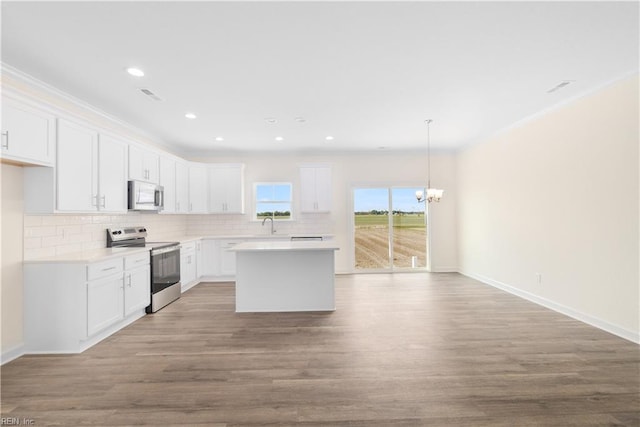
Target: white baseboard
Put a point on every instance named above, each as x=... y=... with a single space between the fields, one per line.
x=444 y=269
x=12 y=353
x=559 y=308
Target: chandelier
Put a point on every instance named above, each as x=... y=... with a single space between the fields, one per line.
x=433 y=194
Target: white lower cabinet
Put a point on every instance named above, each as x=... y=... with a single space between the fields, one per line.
x=104 y=303
x=226 y=257
x=188 y=266
x=137 y=283
x=217 y=262
x=208 y=262
x=70 y=306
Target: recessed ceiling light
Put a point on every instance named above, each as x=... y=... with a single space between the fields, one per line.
x=136 y=72
x=270 y=120
x=279 y=138
x=219 y=138
x=329 y=138
x=300 y=119
x=190 y=116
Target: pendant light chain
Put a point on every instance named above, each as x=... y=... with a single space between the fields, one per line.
x=428 y=121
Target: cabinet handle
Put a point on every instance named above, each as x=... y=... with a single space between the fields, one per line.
x=129 y=281
x=104 y=201
x=96 y=202
x=190 y=207
x=5 y=142
x=177 y=206
x=107 y=269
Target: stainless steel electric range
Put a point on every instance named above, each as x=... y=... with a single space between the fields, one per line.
x=165 y=286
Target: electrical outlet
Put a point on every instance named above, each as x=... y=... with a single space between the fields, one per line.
x=538 y=278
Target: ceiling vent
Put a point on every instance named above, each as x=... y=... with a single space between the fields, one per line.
x=150 y=94
x=560 y=85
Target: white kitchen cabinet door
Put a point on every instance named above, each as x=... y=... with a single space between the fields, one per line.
x=226 y=188
x=198 y=189
x=144 y=165
x=104 y=303
x=208 y=259
x=168 y=181
x=315 y=189
x=198 y=258
x=77 y=168
x=112 y=175
x=187 y=268
x=182 y=188
x=137 y=289
x=227 y=258
x=28 y=134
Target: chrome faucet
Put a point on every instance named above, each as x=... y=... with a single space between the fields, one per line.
x=265 y=219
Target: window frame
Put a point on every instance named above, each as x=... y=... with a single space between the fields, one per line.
x=257 y=202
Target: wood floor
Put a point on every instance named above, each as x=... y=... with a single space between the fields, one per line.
x=400 y=350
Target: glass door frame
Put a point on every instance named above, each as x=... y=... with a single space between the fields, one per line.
x=390 y=268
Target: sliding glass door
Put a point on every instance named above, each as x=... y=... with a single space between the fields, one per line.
x=390 y=230
x=371 y=217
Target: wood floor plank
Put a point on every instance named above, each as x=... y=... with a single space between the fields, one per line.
x=400 y=350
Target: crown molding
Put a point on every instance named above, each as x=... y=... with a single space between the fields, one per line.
x=17 y=81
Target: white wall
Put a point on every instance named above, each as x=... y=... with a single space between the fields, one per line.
x=558 y=196
x=11 y=255
x=348 y=170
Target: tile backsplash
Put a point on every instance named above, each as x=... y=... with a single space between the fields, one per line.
x=49 y=235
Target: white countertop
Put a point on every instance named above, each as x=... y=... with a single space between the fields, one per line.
x=89 y=256
x=260 y=242
x=263 y=246
x=267 y=237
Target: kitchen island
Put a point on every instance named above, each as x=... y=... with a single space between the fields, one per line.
x=285 y=276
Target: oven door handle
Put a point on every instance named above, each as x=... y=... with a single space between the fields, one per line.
x=165 y=250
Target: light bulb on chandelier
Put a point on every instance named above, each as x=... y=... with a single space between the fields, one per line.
x=433 y=194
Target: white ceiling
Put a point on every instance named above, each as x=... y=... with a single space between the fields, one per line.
x=367 y=73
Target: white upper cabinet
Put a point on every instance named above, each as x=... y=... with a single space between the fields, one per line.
x=182 y=187
x=112 y=174
x=77 y=168
x=315 y=189
x=143 y=164
x=168 y=181
x=226 y=188
x=91 y=170
x=28 y=134
x=197 y=188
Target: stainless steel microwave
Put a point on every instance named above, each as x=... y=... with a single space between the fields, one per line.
x=145 y=196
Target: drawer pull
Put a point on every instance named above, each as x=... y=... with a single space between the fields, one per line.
x=110 y=268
